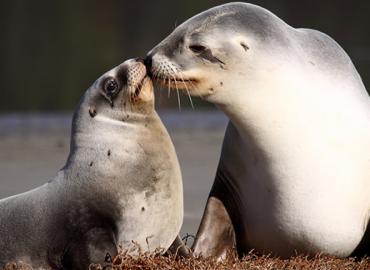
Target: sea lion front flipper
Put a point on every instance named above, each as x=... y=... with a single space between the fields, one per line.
x=95 y=247
x=216 y=233
x=179 y=248
x=363 y=249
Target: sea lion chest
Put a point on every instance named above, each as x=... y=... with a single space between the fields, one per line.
x=300 y=175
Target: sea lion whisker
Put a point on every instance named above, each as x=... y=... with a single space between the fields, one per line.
x=178 y=98
x=169 y=88
x=156 y=73
x=187 y=91
x=177 y=91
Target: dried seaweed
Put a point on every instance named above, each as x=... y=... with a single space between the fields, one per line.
x=157 y=261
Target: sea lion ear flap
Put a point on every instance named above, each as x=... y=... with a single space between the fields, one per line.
x=94 y=104
x=92 y=111
x=94 y=101
x=242 y=42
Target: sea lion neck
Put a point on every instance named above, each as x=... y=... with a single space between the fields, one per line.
x=99 y=134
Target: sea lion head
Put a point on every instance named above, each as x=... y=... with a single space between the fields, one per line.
x=217 y=51
x=125 y=90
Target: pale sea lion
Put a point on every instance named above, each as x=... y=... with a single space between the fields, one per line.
x=121 y=183
x=294 y=173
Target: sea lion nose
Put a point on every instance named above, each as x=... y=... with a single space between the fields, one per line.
x=148 y=61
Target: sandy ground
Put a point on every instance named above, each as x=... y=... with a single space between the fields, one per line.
x=34 y=147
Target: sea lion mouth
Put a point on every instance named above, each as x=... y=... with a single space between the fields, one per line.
x=139 y=87
x=175 y=82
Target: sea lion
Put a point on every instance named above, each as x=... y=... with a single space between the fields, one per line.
x=121 y=183
x=294 y=173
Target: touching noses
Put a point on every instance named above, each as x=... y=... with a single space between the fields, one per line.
x=148 y=61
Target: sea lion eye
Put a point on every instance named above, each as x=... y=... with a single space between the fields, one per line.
x=196 y=48
x=111 y=87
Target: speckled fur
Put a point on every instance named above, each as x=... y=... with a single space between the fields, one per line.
x=121 y=183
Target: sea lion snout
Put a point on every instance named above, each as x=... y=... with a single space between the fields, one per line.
x=124 y=84
x=138 y=82
x=136 y=72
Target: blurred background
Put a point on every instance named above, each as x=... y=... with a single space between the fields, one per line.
x=52 y=51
